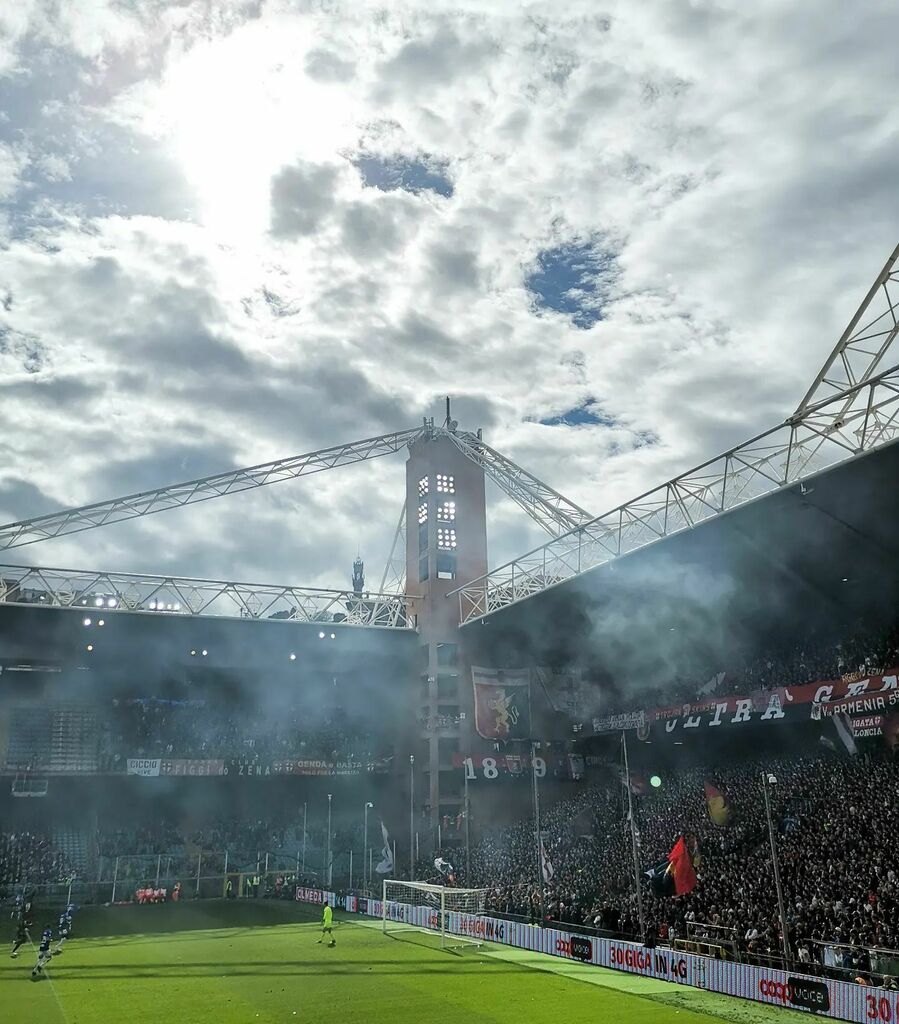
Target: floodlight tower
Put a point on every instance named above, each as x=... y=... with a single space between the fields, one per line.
x=446 y=545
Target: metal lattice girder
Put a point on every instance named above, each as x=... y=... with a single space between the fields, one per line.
x=170 y=595
x=804 y=445
x=394 y=579
x=132 y=506
x=553 y=511
x=863 y=346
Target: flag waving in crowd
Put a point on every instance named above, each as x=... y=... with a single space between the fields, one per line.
x=385 y=864
x=546 y=867
x=719 y=807
x=675 y=876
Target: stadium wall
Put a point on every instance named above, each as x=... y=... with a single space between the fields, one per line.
x=838 y=1000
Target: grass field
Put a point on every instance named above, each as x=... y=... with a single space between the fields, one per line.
x=258 y=963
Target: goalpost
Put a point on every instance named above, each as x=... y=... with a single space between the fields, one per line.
x=415 y=905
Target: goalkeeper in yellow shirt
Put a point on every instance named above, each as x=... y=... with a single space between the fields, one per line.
x=327 y=925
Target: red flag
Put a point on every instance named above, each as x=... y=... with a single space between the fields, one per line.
x=682 y=868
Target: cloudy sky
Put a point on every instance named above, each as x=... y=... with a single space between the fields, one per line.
x=622 y=235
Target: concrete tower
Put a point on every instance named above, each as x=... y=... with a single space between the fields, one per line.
x=446 y=547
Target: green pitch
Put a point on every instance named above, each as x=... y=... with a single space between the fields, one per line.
x=259 y=963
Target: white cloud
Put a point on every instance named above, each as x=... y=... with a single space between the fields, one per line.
x=13 y=161
x=209 y=282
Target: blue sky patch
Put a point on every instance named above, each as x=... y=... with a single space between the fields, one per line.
x=390 y=173
x=576 y=280
x=586 y=414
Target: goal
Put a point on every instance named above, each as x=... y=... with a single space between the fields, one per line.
x=442 y=909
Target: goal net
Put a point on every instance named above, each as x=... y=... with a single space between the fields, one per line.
x=442 y=909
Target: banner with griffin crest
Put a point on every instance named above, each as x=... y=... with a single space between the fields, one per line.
x=502 y=703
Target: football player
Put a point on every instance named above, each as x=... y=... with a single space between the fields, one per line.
x=44 y=956
x=22 y=914
x=64 y=928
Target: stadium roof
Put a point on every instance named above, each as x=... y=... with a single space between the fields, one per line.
x=809 y=557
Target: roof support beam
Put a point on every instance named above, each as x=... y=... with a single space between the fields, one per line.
x=806 y=444
x=134 y=506
x=547 y=507
x=108 y=593
x=863 y=346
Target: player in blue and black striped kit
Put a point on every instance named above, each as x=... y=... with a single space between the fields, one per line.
x=44 y=956
x=64 y=928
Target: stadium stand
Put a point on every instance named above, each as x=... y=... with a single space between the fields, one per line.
x=840 y=878
x=32 y=857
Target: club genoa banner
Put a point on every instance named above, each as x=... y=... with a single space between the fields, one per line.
x=502 y=703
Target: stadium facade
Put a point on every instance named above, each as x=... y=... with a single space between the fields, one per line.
x=467 y=666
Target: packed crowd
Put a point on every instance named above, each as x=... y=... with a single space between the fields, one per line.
x=835 y=823
x=31 y=856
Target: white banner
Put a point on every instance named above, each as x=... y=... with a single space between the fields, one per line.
x=385 y=864
x=146 y=766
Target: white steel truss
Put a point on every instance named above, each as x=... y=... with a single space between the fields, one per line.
x=862 y=347
x=394 y=578
x=551 y=510
x=132 y=506
x=112 y=592
x=849 y=423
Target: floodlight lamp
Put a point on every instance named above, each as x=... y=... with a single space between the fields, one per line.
x=293 y=657
x=101 y=622
x=655 y=782
x=87 y=622
x=204 y=652
x=333 y=636
x=90 y=647
x=193 y=654
x=152 y=606
x=99 y=602
x=177 y=608
x=111 y=603
x=321 y=636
